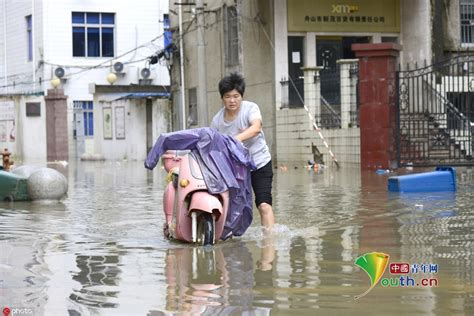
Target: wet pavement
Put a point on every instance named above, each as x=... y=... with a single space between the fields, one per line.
x=101 y=251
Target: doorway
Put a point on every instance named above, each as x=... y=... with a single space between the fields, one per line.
x=295 y=73
x=328 y=51
x=149 y=125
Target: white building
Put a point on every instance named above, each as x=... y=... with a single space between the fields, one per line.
x=82 y=42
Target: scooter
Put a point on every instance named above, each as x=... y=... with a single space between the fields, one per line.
x=192 y=213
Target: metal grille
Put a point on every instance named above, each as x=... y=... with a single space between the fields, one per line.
x=435 y=112
x=232 y=41
x=467 y=21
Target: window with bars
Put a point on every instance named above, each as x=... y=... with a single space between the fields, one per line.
x=467 y=21
x=192 y=107
x=93 y=34
x=231 y=34
x=168 y=36
x=87 y=108
x=29 y=36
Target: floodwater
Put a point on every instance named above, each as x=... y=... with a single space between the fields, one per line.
x=101 y=251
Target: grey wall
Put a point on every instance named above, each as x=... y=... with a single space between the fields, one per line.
x=256 y=62
x=415 y=19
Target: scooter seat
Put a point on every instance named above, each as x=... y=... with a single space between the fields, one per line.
x=176 y=153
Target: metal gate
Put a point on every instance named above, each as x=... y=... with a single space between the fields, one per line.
x=436 y=113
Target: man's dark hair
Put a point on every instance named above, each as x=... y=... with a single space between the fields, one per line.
x=231 y=82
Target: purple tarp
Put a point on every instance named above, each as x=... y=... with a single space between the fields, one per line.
x=226 y=166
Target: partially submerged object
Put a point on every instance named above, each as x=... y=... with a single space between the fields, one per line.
x=442 y=179
x=13 y=187
x=31 y=183
x=47 y=184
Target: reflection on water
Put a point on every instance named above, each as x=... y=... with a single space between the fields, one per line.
x=98 y=277
x=101 y=252
x=209 y=280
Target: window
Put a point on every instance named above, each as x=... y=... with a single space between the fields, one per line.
x=88 y=115
x=192 y=107
x=467 y=21
x=166 y=27
x=231 y=34
x=33 y=109
x=93 y=34
x=29 y=37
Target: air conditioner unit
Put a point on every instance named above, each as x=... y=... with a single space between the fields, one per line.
x=61 y=73
x=119 y=68
x=146 y=75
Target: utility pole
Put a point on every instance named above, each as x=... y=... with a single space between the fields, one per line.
x=201 y=60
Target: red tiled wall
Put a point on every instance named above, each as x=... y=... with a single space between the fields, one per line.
x=56 y=125
x=377 y=111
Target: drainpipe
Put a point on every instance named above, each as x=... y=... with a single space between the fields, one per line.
x=5 y=45
x=33 y=59
x=201 y=60
x=181 y=67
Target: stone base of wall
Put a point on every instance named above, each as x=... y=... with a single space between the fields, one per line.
x=295 y=140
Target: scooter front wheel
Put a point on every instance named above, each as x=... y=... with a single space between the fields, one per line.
x=205 y=229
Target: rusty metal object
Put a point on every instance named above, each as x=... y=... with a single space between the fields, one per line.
x=7 y=163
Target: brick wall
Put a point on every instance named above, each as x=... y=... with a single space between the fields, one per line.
x=294 y=141
x=56 y=125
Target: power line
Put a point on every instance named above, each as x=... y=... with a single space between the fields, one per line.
x=83 y=68
x=101 y=64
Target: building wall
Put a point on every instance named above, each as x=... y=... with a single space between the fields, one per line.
x=415 y=36
x=452 y=29
x=294 y=137
x=281 y=48
x=3 y=34
x=31 y=134
x=295 y=141
x=126 y=148
x=132 y=28
x=135 y=27
x=452 y=33
x=135 y=129
x=256 y=63
x=17 y=72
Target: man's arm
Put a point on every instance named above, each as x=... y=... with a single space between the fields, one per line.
x=251 y=131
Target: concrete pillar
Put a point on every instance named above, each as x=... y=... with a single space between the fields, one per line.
x=56 y=125
x=346 y=84
x=310 y=50
x=281 y=47
x=312 y=93
x=317 y=87
x=354 y=77
x=377 y=111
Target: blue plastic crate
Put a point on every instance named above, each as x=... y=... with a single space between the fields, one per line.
x=442 y=179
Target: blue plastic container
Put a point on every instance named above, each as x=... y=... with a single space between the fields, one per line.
x=442 y=179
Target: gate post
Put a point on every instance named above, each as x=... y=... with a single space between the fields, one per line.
x=56 y=125
x=312 y=92
x=346 y=87
x=377 y=105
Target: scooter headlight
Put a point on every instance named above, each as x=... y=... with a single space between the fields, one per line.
x=184 y=183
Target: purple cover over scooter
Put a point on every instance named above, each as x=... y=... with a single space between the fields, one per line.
x=226 y=166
